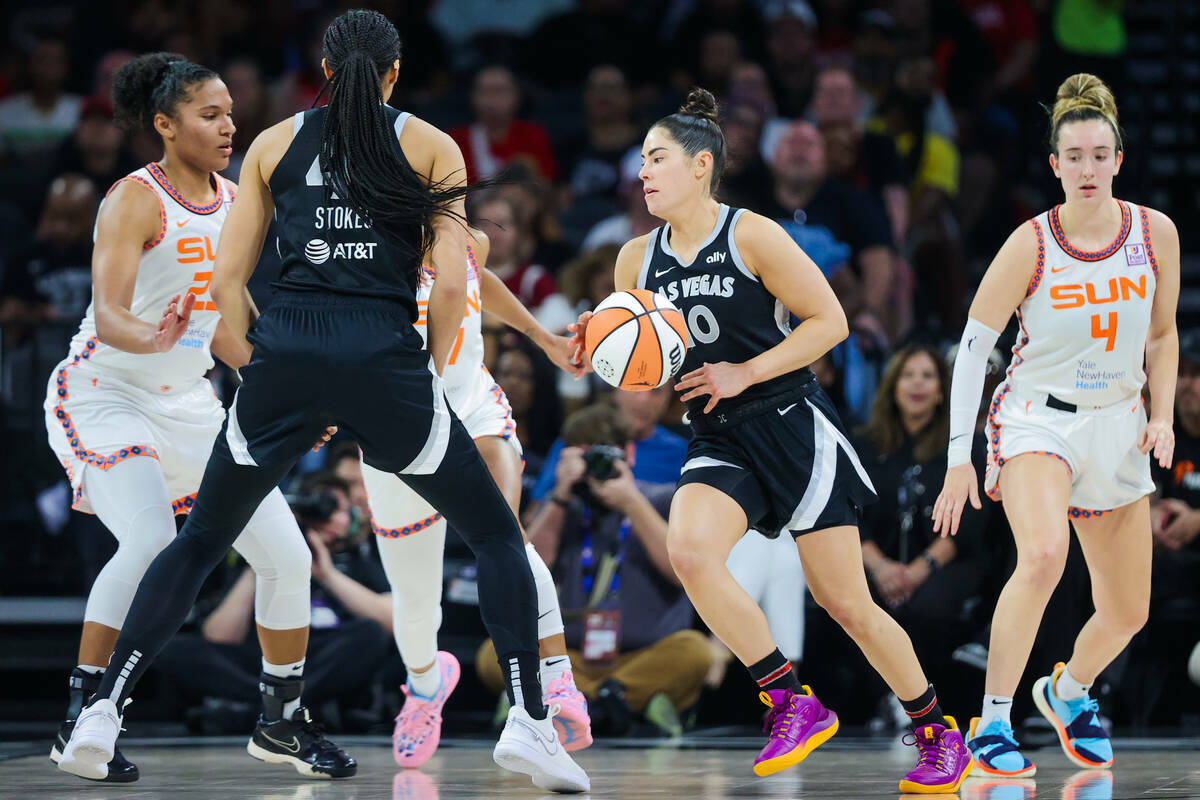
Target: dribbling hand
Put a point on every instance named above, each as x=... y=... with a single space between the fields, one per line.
x=960 y=484
x=174 y=322
x=579 y=357
x=562 y=353
x=718 y=381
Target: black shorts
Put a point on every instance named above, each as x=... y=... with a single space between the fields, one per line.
x=790 y=466
x=357 y=363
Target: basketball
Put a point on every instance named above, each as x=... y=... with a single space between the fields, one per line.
x=636 y=340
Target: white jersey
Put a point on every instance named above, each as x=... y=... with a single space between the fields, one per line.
x=1085 y=315
x=467 y=382
x=178 y=261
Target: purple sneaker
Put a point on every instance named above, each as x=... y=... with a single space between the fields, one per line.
x=797 y=725
x=943 y=760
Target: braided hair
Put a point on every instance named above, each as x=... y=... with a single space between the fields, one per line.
x=358 y=156
x=153 y=84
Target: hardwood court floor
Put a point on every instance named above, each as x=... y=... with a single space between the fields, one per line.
x=697 y=769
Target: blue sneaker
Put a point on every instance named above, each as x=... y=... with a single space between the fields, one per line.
x=995 y=750
x=1076 y=722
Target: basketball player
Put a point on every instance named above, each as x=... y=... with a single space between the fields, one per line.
x=1094 y=283
x=769 y=451
x=412 y=535
x=129 y=411
x=361 y=194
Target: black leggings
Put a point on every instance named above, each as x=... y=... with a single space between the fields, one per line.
x=321 y=361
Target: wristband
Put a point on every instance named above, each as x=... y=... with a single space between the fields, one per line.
x=966 y=385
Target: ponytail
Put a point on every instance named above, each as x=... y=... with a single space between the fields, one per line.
x=358 y=155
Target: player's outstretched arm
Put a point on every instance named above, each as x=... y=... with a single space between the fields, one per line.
x=625 y=276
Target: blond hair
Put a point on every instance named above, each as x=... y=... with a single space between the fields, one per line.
x=1083 y=96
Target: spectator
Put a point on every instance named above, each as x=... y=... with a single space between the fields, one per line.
x=52 y=282
x=791 y=25
x=34 y=122
x=604 y=536
x=344 y=462
x=927 y=582
x=535 y=199
x=864 y=158
x=527 y=378
x=660 y=453
x=508 y=231
x=592 y=160
x=747 y=180
x=96 y=149
x=739 y=19
x=350 y=634
x=588 y=279
x=244 y=79
x=853 y=217
x=720 y=53
x=497 y=137
x=564 y=47
x=636 y=219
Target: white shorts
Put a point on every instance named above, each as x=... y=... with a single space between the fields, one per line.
x=95 y=420
x=397 y=510
x=1098 y=446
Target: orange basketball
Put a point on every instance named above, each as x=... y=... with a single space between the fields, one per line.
x=636 y=340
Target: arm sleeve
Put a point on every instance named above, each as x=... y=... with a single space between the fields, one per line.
x=966 y=386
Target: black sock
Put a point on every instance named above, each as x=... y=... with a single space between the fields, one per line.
x=276 y=693
x=523 y=682
x=925 y=709
x=774 y=672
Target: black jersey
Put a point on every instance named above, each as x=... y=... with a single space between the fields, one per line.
x=730 y=314
x=325 y=245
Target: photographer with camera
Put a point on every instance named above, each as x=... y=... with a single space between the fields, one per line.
x=627 y=619
x=351 y=617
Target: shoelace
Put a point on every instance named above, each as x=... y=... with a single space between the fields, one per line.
x=930 y=754
x=315 y=732
x=779 y=719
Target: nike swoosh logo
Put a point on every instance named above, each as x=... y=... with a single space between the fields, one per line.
x=658 y=273
x=1001 y=702
x=1060 y=269
x=551 y=611
x=549 y=745
x=293 y=747
x=952 y=438
x=559 y=661
x=181 y=224
x=783 y=411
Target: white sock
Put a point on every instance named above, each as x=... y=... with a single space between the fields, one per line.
x=1067 y=688
x=293 y=670
x=91 y=670
x=553 y=668
x=995 y=707
x=425 y=684
x=549 y=616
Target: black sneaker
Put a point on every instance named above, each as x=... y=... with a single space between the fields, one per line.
x=81 y=686
x=300 y=742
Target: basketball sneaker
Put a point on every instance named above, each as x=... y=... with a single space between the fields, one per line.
x=981 y=786
x=93 y=741
x=530 y=746
x=299 y=741
x=797 y=724
x=81 y=686
x=996 y=750
x=943 y=761
x=1076 y=722
x=572 y=722
x=419 y=724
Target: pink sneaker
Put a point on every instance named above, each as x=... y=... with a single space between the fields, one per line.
x=572 y=722
x=419 y=723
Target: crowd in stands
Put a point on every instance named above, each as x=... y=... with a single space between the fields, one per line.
x=898 y=142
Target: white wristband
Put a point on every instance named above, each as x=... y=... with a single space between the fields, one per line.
x=966 y=385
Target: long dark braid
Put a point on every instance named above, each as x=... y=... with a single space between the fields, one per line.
x=358 y=156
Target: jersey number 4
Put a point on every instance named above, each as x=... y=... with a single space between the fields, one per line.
x=1108 y=332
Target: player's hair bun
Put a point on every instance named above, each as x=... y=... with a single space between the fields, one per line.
x=1083 y=96
x=134 y=87
x=700 y=103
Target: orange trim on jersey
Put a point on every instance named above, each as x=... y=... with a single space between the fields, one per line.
x=1036 y=278
x=162 y=211
x=82 y=453
x=161 y=178
x=1060 y=236
x=501 y=399
x=1146 y=239
x=183 y=505
x=1087 y=513
x=407 y=530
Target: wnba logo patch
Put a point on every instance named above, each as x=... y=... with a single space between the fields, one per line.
x=317 y=251
x=1135 y=255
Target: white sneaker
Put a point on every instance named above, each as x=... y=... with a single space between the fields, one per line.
x=530 y=746
x=93 y=741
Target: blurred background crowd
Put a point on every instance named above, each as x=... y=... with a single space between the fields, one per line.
x=898 y=141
